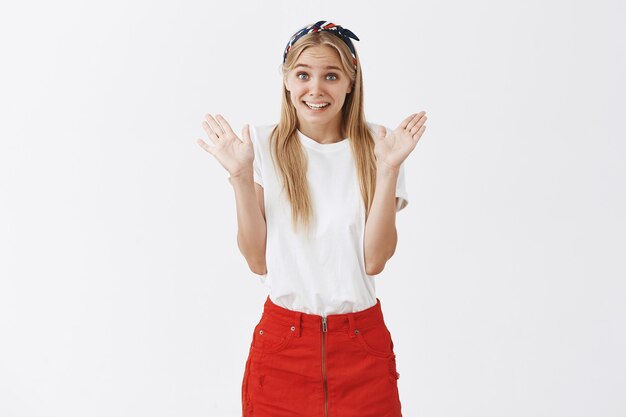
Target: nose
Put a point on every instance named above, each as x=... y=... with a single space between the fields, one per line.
x=315 y=87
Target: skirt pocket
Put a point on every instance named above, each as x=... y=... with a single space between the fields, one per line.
x=271 y=336
x=375 y=340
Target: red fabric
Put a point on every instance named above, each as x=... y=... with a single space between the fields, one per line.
x=295 y=369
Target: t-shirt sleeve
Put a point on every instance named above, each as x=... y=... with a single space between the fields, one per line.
x=257 y=163
x=402 y=199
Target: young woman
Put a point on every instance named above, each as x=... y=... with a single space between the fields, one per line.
x=317 y=195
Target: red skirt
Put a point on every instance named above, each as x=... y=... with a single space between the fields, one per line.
x=300 y=365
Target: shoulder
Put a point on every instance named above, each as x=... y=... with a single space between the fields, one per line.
x=261 y=133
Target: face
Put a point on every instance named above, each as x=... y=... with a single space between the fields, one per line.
x=317 y=79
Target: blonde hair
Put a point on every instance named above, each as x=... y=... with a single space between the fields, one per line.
x=287 y=151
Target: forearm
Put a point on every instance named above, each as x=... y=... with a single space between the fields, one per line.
x=380 y=228
x=252 y=229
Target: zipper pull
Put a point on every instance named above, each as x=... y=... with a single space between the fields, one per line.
x=324 y=323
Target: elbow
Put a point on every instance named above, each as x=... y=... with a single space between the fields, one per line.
x=254 y=255
x=259 y=268
x=376 y=256
x=257 y=264
x=374 y=268
x=374 y=271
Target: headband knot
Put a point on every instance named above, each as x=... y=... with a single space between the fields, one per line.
x=341 y=32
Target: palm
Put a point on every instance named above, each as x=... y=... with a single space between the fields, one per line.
x=234 y=154
x=392 y=149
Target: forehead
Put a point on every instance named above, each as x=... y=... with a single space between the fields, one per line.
x=319 y=57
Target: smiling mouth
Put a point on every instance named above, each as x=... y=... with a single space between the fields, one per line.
x=316 y=107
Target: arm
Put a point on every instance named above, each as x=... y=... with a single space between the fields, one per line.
x=252 y=229
x=390 y=150
x=381 y=235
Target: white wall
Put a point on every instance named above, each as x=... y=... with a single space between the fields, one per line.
x=123 y=293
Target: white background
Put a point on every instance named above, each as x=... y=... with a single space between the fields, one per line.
x=122 y=290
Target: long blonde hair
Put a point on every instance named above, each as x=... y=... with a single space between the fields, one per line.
x=287 y=151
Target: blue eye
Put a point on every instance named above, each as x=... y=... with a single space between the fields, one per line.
x=329 y=75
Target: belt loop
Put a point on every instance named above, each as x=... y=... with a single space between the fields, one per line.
x=297 y=322
x=352 y=325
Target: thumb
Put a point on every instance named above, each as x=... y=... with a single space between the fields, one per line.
x=382 y=132
x=245 y=133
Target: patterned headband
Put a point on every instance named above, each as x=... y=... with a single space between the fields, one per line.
x=343 y=33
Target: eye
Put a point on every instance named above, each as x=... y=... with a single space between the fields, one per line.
x=333 y=75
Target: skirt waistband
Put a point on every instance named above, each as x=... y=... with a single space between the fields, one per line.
x=363 y=319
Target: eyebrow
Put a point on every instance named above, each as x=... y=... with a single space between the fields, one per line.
x=328 y=67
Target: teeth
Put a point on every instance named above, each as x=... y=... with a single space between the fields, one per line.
x=316 y=106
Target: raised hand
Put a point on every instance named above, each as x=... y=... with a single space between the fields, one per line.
x=393 y=149
x=234 y=154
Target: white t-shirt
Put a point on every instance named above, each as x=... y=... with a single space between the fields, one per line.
x=326 y=273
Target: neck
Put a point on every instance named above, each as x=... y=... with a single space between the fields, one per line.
x=322 y=133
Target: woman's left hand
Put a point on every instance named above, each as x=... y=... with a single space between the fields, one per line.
x=393 y=149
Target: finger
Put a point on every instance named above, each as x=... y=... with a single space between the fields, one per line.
x=421 y=116
x=210 y=132
x=205 y=146
x=217 y=129
x=225 y=125
x=406 y=121
x=419 y=133
x=416 y=127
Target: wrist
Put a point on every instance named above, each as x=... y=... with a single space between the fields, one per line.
x=241 y=176
x=386 y=169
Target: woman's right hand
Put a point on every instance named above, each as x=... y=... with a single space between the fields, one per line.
x=234 y=154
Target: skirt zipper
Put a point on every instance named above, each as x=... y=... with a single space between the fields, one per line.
x=324 y=365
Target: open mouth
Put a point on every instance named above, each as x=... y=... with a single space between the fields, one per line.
x=317 y=107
